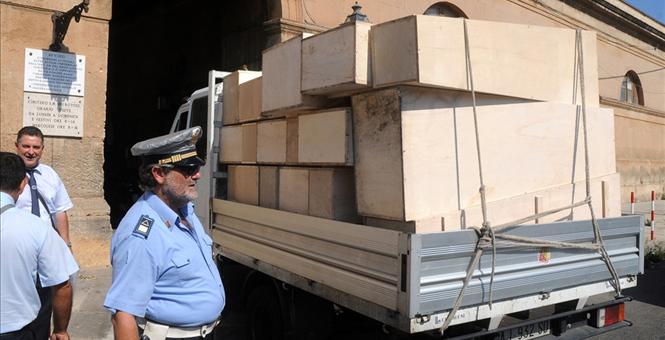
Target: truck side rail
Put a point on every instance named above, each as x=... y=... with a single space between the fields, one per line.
x=439 y=261
x=410 y=280
x=359 y=260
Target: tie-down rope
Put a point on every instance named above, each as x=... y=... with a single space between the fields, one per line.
x=487 y=235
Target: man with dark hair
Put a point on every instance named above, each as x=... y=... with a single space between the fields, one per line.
x=29 y=247
x=54 y=202
x=47 y=198
x=165 y=282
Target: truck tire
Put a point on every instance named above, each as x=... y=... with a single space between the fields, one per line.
x=264 y=315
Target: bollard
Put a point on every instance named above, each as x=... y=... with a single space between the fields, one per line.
x=653 y=214
x=632 y=202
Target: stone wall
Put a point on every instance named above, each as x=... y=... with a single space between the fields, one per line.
x=79 y=161
x=640 y=150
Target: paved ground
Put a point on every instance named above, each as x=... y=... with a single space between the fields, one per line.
x=647 y=311
x=91 y=321
x=89 y=318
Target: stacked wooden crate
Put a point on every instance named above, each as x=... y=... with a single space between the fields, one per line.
x=404 y=155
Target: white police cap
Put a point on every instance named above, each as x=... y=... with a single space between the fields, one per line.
x=175 y=148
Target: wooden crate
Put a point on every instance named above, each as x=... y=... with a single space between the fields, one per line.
x=337 y=61
x=325 y=138
x=243 y=184
x=294 y=190
x=234 y=90
x=271 y=141
x=514 y=60
x=281 y=80
x=415 y=150
x=332 y=194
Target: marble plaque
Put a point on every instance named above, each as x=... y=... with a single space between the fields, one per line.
x=55 y=115
x=54 y=72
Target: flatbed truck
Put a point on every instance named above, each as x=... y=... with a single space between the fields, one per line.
x=301 y=277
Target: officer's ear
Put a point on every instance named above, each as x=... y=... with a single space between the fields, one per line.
x=159 y=174
x=24 y=182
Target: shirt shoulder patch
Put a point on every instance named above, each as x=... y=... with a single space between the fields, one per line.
x=143 y=226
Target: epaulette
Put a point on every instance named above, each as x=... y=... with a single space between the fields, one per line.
x=143 y=226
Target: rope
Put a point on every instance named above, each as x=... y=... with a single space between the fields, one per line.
x=596 y=229
x=486 y=234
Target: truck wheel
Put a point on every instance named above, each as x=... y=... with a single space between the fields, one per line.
x=264 y=315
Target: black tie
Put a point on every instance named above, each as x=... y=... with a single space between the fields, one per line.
x=33 y=192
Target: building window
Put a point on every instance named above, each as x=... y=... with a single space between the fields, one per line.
x=445 y=9
x=631 y=89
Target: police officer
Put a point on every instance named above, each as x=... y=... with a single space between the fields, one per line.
x=165 y=282
x=29 y=247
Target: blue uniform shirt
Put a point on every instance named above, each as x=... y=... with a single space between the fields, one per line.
x=162 y=270
x=28 y=246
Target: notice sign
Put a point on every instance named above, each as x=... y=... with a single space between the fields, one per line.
x=55 y=115
x=54 y=72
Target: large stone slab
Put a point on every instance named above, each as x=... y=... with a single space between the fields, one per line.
x=416 y=158
x=337 y=61
x=524 y=61
x=242 y=97
x=325 y=138
x=243 y=185
x=281 y=80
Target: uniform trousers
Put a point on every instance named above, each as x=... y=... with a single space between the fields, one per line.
x=24 y=333
x=41 y=326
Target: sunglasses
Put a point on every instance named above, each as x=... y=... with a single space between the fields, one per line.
x=188 y=170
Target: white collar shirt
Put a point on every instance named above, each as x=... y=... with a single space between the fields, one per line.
x=53 y=191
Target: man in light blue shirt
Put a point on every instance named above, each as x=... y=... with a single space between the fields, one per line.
x=29 y=247
x=165 y=280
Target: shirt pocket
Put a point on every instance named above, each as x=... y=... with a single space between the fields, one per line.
x=183 y=267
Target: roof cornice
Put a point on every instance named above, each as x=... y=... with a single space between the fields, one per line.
x=611 y=13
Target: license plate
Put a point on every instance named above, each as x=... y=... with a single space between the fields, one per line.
x=534 y=330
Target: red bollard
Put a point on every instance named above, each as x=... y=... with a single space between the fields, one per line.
x=632 y=202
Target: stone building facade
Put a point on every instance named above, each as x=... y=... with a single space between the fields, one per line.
x=78 y=160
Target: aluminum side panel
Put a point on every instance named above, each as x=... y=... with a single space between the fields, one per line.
x=444 y=258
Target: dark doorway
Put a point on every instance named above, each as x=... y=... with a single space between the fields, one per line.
x=159 y=53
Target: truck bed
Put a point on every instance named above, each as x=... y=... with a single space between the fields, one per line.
x=410 y=281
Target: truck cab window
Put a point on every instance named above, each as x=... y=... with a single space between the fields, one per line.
x=200 y=118
x=182 y=122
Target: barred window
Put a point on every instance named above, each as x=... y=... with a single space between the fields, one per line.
x=631 y=89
